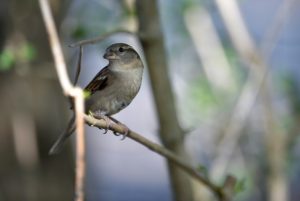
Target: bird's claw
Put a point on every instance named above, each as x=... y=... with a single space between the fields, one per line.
x=91 y=115
x=104 y=117
x=124 y=128
x=125 y=131
x=106 y=130
x=108 y=123
x=115 y=133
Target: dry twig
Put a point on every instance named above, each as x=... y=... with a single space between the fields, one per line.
x=161 y=151
x=99 y=38
x=69 y=90
x=78 y=64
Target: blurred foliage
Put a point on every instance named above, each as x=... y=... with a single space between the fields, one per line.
x=203 y=170
x=129 y=11
x=244 y=186
x=287 y=83
x=187 y=4
x=203 y=96
x=27 y=52
x=240 y=186
x=79 y=32
x=212 y=101
x=7 y=60
x=91 y=19
x=239 y=73
x=10 y=56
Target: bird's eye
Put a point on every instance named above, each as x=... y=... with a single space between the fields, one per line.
x=121 y=49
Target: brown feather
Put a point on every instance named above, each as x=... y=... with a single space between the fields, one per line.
x=100 y=81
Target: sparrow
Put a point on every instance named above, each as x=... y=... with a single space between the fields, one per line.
x=111 y=90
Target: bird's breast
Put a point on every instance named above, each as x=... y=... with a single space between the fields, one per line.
x=118 y=95
x=131 y=82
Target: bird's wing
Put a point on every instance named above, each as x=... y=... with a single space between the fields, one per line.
x=100 y=81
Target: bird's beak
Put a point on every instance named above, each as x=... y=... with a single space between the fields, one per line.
x=109 y=56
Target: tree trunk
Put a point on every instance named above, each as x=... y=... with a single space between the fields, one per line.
x=170 y=132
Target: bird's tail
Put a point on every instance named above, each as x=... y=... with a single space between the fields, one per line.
x=57 y=146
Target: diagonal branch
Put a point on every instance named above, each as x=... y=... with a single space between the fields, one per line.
x=99 y=123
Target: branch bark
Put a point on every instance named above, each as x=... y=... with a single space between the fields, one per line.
x=171 y=157
x=171 y=134
x=69 y=90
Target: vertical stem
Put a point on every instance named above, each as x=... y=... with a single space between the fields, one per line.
x=170 y=131
x=69 y=90
x=80 y=150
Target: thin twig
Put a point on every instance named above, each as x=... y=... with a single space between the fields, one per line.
x=100 y=38
x=273 y=32
x=78 y=65
x=60 y=64
x=158 y=149
x=69 y=90
x=257 y=78
x=80 y=150
x=228 y=188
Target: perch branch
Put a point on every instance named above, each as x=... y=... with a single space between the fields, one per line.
x=99 y=123
x=69 y=90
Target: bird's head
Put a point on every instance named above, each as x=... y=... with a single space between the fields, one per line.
x=122 y=53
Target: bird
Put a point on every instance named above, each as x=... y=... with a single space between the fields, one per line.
x=111 y=90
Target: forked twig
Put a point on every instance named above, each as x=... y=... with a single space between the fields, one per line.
x=69 y=90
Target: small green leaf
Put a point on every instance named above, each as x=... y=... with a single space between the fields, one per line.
x=240 y=186
x=79 y=32
x=203 y=170
x=86 y=94
x=7 y=60
x=28 y=52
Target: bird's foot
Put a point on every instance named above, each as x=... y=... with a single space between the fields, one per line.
x=91 y=115
x=104 y=117
x=126 y=131
x=124 y=127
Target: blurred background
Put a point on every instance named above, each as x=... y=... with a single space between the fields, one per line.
x=221 y=89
